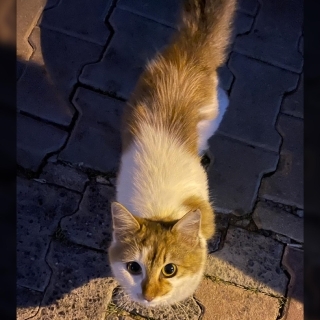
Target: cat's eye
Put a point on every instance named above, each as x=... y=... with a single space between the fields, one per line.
x=169 y=270
x=134 y=267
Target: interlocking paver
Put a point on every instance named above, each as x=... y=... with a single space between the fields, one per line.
x=35 y=140
x=162 y=11
x=235 y=175
x=80 y=286
x=248 y=6
x=28 y=302
x=255 y=101
x=39 y=210
x=250 y=260
x=225 y=301
x=45 y=86
x=28 y=13
x=242 y=24
x=279 y=221
x=65 y=18
x=293 y=103
x=91 y=225
x=186 y=310
x=65 y=176
x=225 y=77
x=286 y=184
x=136 y=39
x=293 y=262
x=275 y=35
x=95 y=140
x=20 y=67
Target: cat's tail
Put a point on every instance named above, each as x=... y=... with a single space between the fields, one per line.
x=207 y=23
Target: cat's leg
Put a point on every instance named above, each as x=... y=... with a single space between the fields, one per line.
x=206 y=128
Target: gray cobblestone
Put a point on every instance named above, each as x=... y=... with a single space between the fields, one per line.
x=226 y=301
x=28 y=13
x=278 y=221
x=162 y=11
x=250 y=260
x=39 y=209
x=136 y=39
x=255 y=101
x=45 y=86
x=293 y=103
x=248 y=6
x=293 y=262
x=275 y=35
x=95 y=140
x=35 y=140
x=242 y=25
x=65 y=176
x=225 y=78
x=242 y=223
x=65 y=17
x=92 y=224
x=286 y=184
x=234 y=180
x=80 y=286
x=28 y=302
x=281 y=238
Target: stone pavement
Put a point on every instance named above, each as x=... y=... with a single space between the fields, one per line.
x=77 y=63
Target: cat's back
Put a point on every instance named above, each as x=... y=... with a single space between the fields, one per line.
x=160 y=165
x=158 y=174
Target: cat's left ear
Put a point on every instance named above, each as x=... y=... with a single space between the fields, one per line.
x=123 y=221
x=189 y=226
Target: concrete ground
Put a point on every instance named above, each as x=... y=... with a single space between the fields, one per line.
x=78 y=62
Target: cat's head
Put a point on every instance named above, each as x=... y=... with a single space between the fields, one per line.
x=157 y=263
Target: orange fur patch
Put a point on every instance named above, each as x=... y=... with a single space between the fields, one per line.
x=182 y=79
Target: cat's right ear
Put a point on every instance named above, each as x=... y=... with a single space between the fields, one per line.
x=123 y=221
x=188 y=226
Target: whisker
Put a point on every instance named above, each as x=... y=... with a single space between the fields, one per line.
x=181 y=307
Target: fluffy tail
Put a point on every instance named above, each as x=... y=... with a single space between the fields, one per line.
x=207 y=24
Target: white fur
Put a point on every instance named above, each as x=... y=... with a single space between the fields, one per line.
x=182 y=287
x=206 y=128
x=157 y=174
x=132 y=283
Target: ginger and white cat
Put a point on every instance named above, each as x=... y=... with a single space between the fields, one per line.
x=162 y=217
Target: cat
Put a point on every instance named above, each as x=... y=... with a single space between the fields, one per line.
x=162 y=216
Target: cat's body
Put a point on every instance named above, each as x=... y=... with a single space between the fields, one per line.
x=163 y=216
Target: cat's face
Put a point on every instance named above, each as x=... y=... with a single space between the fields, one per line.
x=157 y=263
